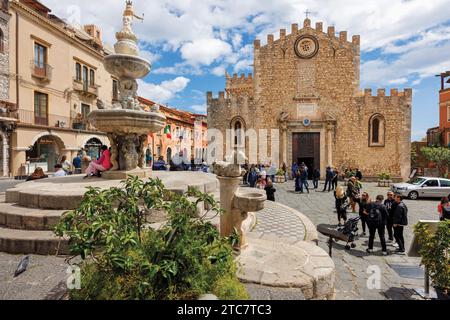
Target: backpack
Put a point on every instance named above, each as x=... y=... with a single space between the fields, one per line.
x=375 y=218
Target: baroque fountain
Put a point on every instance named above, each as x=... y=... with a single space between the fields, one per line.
x=125 y=123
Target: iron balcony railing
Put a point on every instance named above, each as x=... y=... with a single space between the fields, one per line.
x=40 y=70
x=55 y=121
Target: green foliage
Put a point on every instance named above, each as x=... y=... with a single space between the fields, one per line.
x=440 y=156
x=384 y=176
x=435 y=252
x=125 y=259
x=280 y=172
x=414 y=154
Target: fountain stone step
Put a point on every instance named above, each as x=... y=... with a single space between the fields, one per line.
x=32 y=242
x=66 y=193
x=14 y=216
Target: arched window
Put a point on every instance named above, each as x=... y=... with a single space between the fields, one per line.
x=238 y=133
x=2 y=41
x=376 y=131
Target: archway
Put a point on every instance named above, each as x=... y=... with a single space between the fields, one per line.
x=45 y=152
x=93 y=147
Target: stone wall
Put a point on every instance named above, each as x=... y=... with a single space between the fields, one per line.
x=4 y=56
x=325 y=90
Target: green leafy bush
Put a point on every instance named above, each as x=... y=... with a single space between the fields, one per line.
x=435 y=252
x=124 y=259
x=280 y=172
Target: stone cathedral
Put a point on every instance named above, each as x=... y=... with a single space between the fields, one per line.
x=306 y=84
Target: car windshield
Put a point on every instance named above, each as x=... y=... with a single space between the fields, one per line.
x=416 y=181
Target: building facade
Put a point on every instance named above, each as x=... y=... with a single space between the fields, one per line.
x=56 y=78
x=305 y=91
x=444 y=108
x=183 y=132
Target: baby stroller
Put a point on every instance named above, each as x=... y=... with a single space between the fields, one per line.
x=350 y=230
x=347 y=233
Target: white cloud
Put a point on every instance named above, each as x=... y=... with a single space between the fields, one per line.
x=200 y=109
x=205 y=51
x=163 y=92
x=218 y=71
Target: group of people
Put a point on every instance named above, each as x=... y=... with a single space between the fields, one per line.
x=261 y=176
x=379 y=216
x=179 y=163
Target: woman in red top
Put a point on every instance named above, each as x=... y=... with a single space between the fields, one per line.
x=444 y=202
x=100 y=165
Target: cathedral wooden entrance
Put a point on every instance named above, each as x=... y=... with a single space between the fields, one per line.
x=306 y=148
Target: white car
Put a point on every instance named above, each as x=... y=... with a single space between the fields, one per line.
x=423 y=187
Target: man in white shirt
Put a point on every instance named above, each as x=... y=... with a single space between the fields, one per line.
x=59 y=172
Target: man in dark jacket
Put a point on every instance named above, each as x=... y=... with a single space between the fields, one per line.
x=390 y=205
x=399 y=223
x=358 y=174
x=303 y=179
x=376 y=221
x=316 y=177
x=328 y=178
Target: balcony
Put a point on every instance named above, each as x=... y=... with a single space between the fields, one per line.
x=41 y=71
x=85 y=89
x=53 y=121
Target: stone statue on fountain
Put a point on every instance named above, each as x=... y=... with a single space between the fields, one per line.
x=126 y=123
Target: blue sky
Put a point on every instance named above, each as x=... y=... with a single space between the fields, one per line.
x=192 y=42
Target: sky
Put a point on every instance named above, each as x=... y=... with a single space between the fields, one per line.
x=191 y=43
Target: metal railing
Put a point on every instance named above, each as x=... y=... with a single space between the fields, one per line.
x=52 y=120
x=84 y=87
x=8 y=110
x=41 y=70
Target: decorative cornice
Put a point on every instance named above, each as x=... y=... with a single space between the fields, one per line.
x=45 y=22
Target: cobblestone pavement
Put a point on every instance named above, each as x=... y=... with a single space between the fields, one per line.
x=353 y=268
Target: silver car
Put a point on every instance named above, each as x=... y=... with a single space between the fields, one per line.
x=426 y=187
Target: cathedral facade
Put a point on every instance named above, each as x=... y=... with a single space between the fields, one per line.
x=305 y=91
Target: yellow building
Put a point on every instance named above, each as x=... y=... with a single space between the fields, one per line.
x=56 y=78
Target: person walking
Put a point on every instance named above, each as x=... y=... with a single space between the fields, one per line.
x=390 y=204
x=316 y=177
x=341 y=203
x=252 y=176
x=376 y=221
x=328 y=179
x=335 y=179
x=363 y=210
x=400 y=221
x=294 y=170
x=304 y=179
x=270 y=191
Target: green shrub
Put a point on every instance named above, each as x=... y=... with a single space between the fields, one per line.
x=435 y=252
x=229 y=288
x=123 y=259
x=280 y=172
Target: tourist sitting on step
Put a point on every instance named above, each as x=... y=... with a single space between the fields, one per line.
x=59 y=171
x=96 y=167
x=37 y=174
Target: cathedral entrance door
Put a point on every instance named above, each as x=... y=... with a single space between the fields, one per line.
x=306 y=148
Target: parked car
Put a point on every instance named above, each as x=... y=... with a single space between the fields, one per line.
x=423 y=187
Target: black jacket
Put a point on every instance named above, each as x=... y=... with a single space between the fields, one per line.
x=270 y=191
x=390 y=206
x=383 y=210
x=401 y=214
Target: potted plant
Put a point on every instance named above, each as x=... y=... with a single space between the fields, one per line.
x=434 y=248
x=279 y=176
x=384 y=179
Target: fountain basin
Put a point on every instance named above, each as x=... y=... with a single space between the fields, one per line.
x=249 y=201
x=127 y=121
x=127 y=66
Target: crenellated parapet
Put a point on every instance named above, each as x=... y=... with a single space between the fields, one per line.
x=239 y=86
x=381 y=93
x=341 y=37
